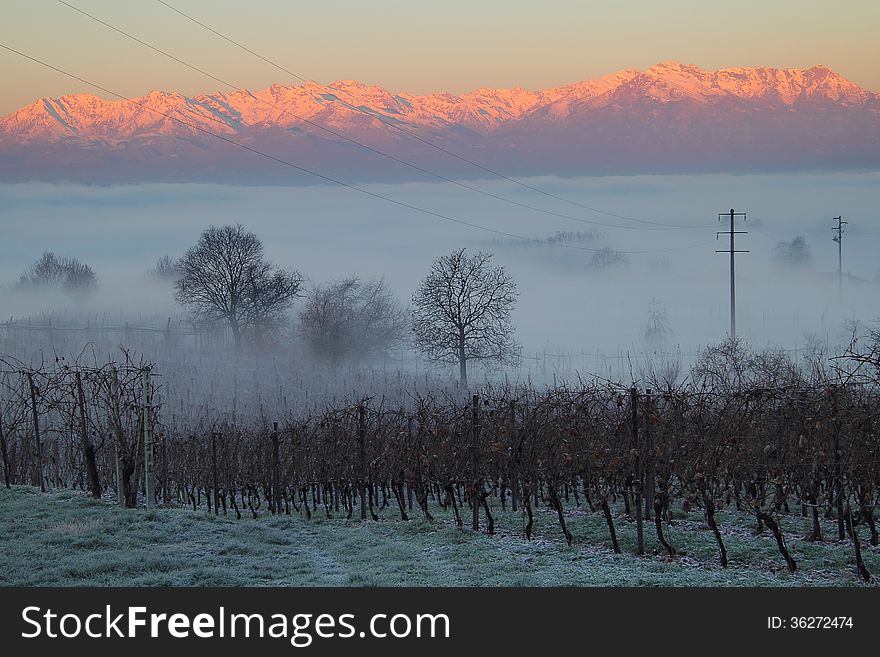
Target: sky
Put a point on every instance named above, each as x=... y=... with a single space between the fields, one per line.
x=422 y=47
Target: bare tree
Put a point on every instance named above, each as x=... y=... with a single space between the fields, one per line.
x=793 y=254
x=461 y=312
x=657 y=329
x=166 y=269
x=352 y=319
x=53 y=273
x=606 y=258
x=225 y=277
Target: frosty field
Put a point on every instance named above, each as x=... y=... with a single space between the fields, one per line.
x=64 y=538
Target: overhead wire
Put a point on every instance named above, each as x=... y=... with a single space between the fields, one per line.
x=322 y=176
x=359 y=143
x=414 y=135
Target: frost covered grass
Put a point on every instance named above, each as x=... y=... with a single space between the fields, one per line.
x=65 y=538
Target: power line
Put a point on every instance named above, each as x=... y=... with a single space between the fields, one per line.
x=319 y=175
x=354 y=141
x=418 y=137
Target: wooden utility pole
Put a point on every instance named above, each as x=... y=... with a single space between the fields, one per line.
x=636 y=470
x=732 y=233
x=149 y=460
x=475 y=436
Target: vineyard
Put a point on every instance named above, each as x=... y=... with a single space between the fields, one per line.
x=748 y=432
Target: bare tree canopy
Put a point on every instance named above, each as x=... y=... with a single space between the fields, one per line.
x=166 y=269
x=793 y=254
x=352 y=319
x=461 y=312
x=606 y=258
x=658 y=328
x=225 y=277
x=53 y=273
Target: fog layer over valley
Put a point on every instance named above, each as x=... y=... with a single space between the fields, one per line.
x=656 y=293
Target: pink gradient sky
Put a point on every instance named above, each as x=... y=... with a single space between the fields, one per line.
x=421 y=47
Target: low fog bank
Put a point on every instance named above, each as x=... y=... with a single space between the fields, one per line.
x=663 y=297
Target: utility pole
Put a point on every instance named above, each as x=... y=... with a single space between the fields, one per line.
x=839 y=239
x=732 y=232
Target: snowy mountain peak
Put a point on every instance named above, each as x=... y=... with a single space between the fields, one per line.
x=673 y=67
x=676 y=101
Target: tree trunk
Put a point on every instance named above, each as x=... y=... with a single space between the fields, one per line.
x=610 y=521
x=422 y=499
x=780 y=539
x=857 y=546
x=813 y=503
x=709 y=505
x=129 y=492
x=527 y=501
x=462 y=361
x=658 y=523
x=556 y=503
x=236 y=334
x=450 y=494
x=490 y=521
x=397 y=489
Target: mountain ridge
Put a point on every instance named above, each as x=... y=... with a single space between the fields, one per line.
x=579 y=125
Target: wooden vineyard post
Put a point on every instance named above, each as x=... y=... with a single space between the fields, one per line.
x=88 y=449
x=114 y=402
x=276 y=470
x=5 y=455
x=149 y=460
x=36 y=420
x=475 y=434
x=514 y=481
x=838 y=479
x=409 y=440
x=636 y=471
x=164 y=440
x=362 y=452
x=648 y=464
x=214 y=483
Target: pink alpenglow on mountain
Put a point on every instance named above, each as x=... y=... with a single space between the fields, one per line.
x=669 y=118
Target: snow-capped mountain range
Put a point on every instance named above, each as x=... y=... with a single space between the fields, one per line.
x=668 y=118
